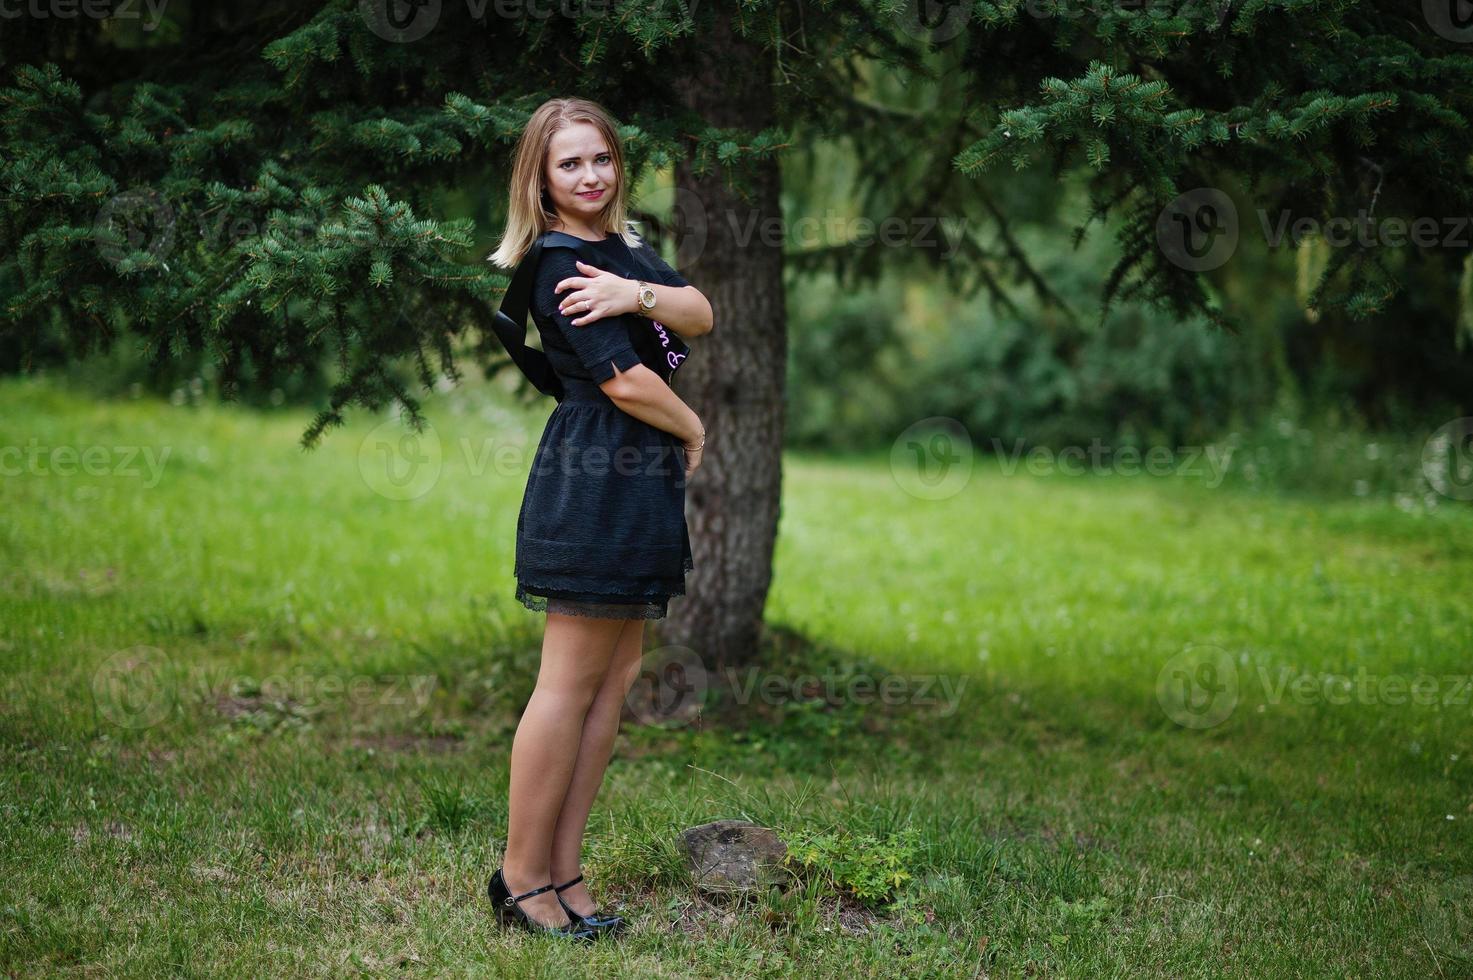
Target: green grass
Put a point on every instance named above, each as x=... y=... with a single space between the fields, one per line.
x=254 y=720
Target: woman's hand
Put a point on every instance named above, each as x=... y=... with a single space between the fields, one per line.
x=693 y=450
x=692 y=460
x=596 y=294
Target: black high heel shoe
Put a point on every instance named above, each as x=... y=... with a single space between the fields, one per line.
x=509 y=913
x=601 y=924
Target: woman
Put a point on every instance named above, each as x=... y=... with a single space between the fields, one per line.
x=602 y=543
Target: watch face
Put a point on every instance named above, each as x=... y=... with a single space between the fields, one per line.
x=647 y=297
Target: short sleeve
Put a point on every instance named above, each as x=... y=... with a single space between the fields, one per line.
x=669 y=276
x=600 y=345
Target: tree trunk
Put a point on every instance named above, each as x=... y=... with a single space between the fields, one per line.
x=735 y=377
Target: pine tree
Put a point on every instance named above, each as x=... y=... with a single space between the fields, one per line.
x=1316 y=111
x=262 y=181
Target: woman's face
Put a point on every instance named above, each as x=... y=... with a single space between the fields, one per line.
x=580 y=174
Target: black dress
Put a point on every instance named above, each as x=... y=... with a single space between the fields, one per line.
x=602 y=528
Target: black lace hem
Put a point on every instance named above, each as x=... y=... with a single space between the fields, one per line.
x=599 y=605
x=599 y=610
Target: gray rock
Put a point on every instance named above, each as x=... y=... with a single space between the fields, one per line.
x=733 y=856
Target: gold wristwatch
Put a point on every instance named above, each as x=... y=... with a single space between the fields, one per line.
x=646 y=297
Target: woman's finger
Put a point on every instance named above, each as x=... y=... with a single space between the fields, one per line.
x=571 y=302
x=585 y=311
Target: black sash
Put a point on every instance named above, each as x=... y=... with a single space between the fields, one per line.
x=659 y=348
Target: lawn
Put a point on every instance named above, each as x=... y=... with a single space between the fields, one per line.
x=257 y=705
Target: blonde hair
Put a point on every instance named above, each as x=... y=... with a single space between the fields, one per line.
x=529 y=208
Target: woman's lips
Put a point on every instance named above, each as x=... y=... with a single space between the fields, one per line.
x=590 y=195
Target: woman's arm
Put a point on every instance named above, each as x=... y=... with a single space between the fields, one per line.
x=596 y=293
x=683 y=309
x=643 y=394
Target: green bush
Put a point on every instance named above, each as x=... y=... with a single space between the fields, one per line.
x=860 y=371
x=869 y=868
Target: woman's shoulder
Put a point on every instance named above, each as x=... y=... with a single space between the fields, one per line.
x=555 y=257
x=553 y=266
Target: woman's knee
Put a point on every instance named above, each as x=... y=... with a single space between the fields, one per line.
x=571 y=690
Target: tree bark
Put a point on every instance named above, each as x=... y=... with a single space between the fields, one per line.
x=734 y=379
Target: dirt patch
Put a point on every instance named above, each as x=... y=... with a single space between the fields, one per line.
x=237 y=706
x=855 y=918
x=116 y=829
x=401 y=742
x=90 y=582
x=700 y=915
x=215 y=873
x=155 y=757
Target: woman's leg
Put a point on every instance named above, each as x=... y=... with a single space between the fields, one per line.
x=576 y=653
x=599 y=731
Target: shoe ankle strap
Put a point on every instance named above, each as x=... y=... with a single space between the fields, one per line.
x=568 y=884
x=535 y=891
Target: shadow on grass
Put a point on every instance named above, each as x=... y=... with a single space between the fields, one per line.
x=798 y=703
